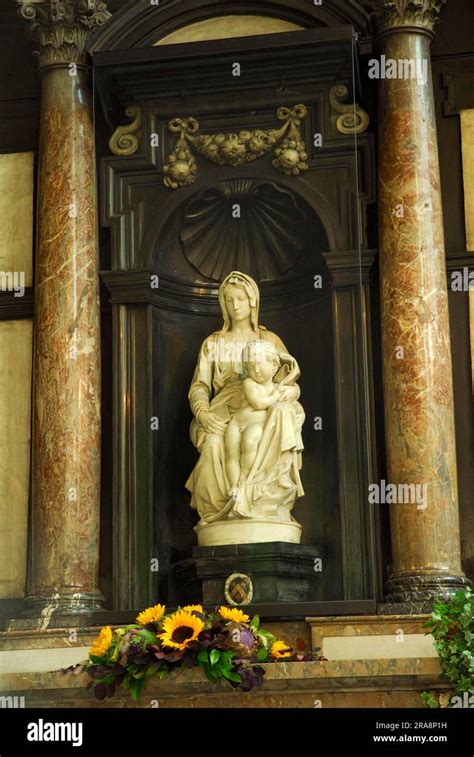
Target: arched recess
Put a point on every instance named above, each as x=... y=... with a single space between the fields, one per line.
x=309 y=194
x=292 y=307
x=142 y=23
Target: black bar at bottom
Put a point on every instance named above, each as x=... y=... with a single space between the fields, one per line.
x=122 y=731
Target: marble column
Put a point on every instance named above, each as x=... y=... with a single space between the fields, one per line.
x=418 y=393
x=63 y=575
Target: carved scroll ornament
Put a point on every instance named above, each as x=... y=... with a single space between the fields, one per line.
x=125 y=140
x=351 y=119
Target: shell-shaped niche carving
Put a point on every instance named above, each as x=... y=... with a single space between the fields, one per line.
x=243 y=225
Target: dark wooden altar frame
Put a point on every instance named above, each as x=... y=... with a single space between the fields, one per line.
x=138 y=76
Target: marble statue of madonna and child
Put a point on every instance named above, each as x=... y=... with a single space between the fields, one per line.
x=246 y=427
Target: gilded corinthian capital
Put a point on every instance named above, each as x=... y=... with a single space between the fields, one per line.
x=395 y=14
x=60 y=28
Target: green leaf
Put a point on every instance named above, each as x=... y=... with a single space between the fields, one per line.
x=429 y=699
x=136 y=688
x=262 y=654
x=255 y=622
x=265 y=637
x=214 y=656
x=203 y=657
x=212 y=674
x=147 y=637
x=229 y=654
x=231 y=676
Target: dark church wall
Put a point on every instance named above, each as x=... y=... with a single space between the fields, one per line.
x=19 y=84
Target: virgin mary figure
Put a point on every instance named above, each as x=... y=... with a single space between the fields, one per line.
x=262 y=510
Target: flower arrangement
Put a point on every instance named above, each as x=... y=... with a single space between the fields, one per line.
x=225 y=643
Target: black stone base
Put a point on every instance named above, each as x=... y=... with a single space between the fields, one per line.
x=10 y=608
x=279 y=572
x=410 y=595
x=63 y=611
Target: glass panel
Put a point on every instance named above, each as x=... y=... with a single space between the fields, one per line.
x=238 y=174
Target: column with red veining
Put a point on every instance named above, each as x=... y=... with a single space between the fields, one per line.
x=418 y=393
x=63 y=576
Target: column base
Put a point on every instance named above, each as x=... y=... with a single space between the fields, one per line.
x=414 y=594
x=57 y=611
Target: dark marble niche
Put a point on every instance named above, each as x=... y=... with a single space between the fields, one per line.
x=311 y=221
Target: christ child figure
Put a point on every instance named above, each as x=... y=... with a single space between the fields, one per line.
x=244 y=431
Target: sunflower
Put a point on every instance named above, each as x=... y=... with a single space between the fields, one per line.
x=280 y=649
x=101 y=644
x=231 y=613
x=180 y=629
x=193 y=608
x=151 y=615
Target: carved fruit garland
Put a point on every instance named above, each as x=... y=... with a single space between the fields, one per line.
x=234 y=149
x=180 y=168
